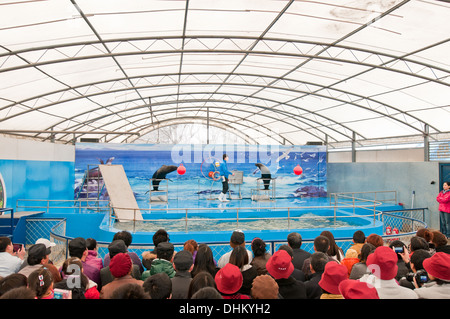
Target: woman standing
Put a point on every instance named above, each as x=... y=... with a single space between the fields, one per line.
x=444 y=208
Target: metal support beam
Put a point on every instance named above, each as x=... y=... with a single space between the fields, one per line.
x=354 y=147
x=426 y=143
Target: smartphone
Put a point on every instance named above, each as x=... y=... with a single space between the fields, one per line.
x=62 y=293
x=17 y=247
x=398 y=250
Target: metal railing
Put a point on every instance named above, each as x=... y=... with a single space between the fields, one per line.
x=47 y=205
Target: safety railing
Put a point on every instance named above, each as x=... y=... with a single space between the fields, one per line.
x=47 y=205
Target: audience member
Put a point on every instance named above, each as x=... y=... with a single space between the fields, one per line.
x=159 y=236
x=294 y=240
x=264 y=287
x=37 y=257
x=127 y=239
x=383 y=265
x=360 y=269
x=321 y=244
x=207 y=293
x=56 y=275
x=416 y=265
x=130 y=291
x=12 y=281
x=239 y=258
x=355 y=289
x=10 y=261
x=201 y=280
x=426 y=234
x=438 y=270
x=163 y=261
x=91 y=257
x=375 y=240
x=120 y=267
x=75 y=280
x=297 y=273
x=183 y=265
x=260 y=256
x=317 y=266
x=48 y=244
x=204 y=261
x=41 y=282
x=19 y=293
x=333 y=275
x=228 y=281
x=351 y=258
x=115 y=247
x=237 y=239
x=158 y=285
x=440 y=242
x=191 y=246
x=359 y=239
x=402 y=268
x=280 y=267
x=417 y=243
x=78 y=248
x=333 y=250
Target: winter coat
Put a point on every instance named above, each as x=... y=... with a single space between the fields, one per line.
x=444 y=201
x=159 y=265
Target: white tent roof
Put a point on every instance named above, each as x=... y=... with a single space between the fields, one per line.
x=294 y=71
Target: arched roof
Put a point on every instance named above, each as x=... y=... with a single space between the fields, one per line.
x=295 y=71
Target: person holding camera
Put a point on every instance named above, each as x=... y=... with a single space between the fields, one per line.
x=417 y=273
x=438 y=271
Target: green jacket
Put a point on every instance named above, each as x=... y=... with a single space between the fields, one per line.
x=159 y=265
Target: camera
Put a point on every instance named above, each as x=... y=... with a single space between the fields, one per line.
x=398 y=250
x=17 y=247
x=421 y=277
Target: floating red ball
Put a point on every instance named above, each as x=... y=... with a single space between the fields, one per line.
x=181 y=169
x=298 y=170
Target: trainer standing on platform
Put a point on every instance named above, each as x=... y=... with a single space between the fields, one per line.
x=224 y=173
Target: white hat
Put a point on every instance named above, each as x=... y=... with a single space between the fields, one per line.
x=46 y=242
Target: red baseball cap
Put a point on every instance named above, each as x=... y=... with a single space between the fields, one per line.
x=383 y=263
x=280 y=265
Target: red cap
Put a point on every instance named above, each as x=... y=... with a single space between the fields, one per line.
x=438 y=266
x=280 y=265
x=383 y=263
x=229 y=279
x=332 y=276
x=355 y=289
x=120 y=265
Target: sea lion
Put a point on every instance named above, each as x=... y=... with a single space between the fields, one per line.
x=265 y=174
x=161 y=173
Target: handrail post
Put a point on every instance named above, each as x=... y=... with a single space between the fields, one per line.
x=186 y=222
x=237 y=218
x=289 y=219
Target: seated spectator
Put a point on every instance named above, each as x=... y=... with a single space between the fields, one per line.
x=78 y=248
x=75 y=280
x=360 y=269
x=280 y=267
x=375 y=240
x=260 y=256
x=297 y=273
x=239 y=258
x=359 y=239
x=355 y=289
x=158 y=286
x=321 y=244
x=333 y=275
x=12 y=281
x=163 y=261
x=41 y=282
x=115 y=247
x=48 y=244
x=10 y=261
x=207 y=293
x=418 y=243
x=438 y=270
x=92 y=258
x=127 y=239
x=19 y=293
x=264 y=287
x=383 y=265
x=294 y=241
x=130 y=291
x=237 y=239
x=402 y=269
x=37 y=257
x=191 y=246
x=334 y=251
x=351 y=258
x=183 y=265
x=120 y=267
x=159 y=236
x=317 y=265
x=440 y=242
x=204 y=261
x=201 y=280
x=229 y=280
x=416 y=264
x=426 y=234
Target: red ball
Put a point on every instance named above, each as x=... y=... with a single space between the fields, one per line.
x=298 y=170
x=181 y=169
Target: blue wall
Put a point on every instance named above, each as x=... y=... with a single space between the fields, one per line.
x=26 y=179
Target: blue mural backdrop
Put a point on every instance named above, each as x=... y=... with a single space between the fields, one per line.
x=140 y=161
